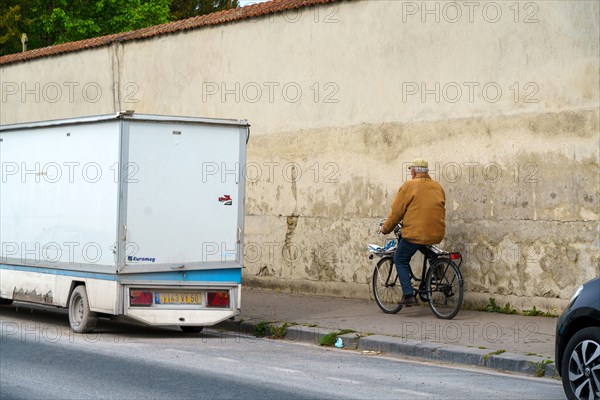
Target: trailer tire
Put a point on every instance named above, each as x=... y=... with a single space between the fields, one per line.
x=191 y=329
x=82 y=320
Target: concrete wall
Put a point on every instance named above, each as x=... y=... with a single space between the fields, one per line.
x=501 y=99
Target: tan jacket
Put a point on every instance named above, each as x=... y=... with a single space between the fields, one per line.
x=420 y=205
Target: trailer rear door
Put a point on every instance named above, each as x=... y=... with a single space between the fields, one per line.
x=183 y=195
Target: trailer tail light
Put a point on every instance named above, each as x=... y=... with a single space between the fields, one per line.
x=217 y=299
x=140 y=297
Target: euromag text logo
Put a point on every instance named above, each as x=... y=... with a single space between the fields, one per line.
x=143 y=259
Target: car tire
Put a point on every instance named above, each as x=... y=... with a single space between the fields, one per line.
x=580 y=368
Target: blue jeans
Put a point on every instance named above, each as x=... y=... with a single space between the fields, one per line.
x=404 y=253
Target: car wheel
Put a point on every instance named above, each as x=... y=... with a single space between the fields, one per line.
x=581 y=365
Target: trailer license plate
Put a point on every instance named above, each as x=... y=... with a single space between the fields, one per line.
x=178 y=298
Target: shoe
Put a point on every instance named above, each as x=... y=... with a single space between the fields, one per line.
x=409 y=301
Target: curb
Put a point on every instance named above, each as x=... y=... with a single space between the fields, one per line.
x=497 y=360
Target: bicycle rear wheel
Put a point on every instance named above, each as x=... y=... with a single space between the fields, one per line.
x=444 y=285
x=386 y=286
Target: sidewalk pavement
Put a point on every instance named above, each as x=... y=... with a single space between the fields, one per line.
x=512 y=343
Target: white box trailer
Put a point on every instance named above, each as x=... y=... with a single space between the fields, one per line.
x=129 y=215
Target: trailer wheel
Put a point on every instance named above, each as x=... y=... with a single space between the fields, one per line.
x=82 y=320
x=191 y=329
x=5 y=302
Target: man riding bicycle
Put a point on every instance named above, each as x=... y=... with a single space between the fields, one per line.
x=420 y=205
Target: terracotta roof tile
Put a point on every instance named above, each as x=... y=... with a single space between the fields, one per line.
x=217 y=18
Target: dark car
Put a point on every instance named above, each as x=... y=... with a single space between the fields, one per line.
x=578 y=343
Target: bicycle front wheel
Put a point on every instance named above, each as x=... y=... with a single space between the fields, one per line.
x=386 y=286
x=444 y=285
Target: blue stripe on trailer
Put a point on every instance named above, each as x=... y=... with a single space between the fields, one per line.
x=203 y=275
x=63 y=272
x=206 y=275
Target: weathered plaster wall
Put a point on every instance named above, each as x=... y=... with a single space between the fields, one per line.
x=522 y=203
x=504 y=104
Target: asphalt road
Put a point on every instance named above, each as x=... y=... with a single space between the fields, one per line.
x=40 y=358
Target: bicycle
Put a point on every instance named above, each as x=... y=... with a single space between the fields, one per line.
x=441 y=283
